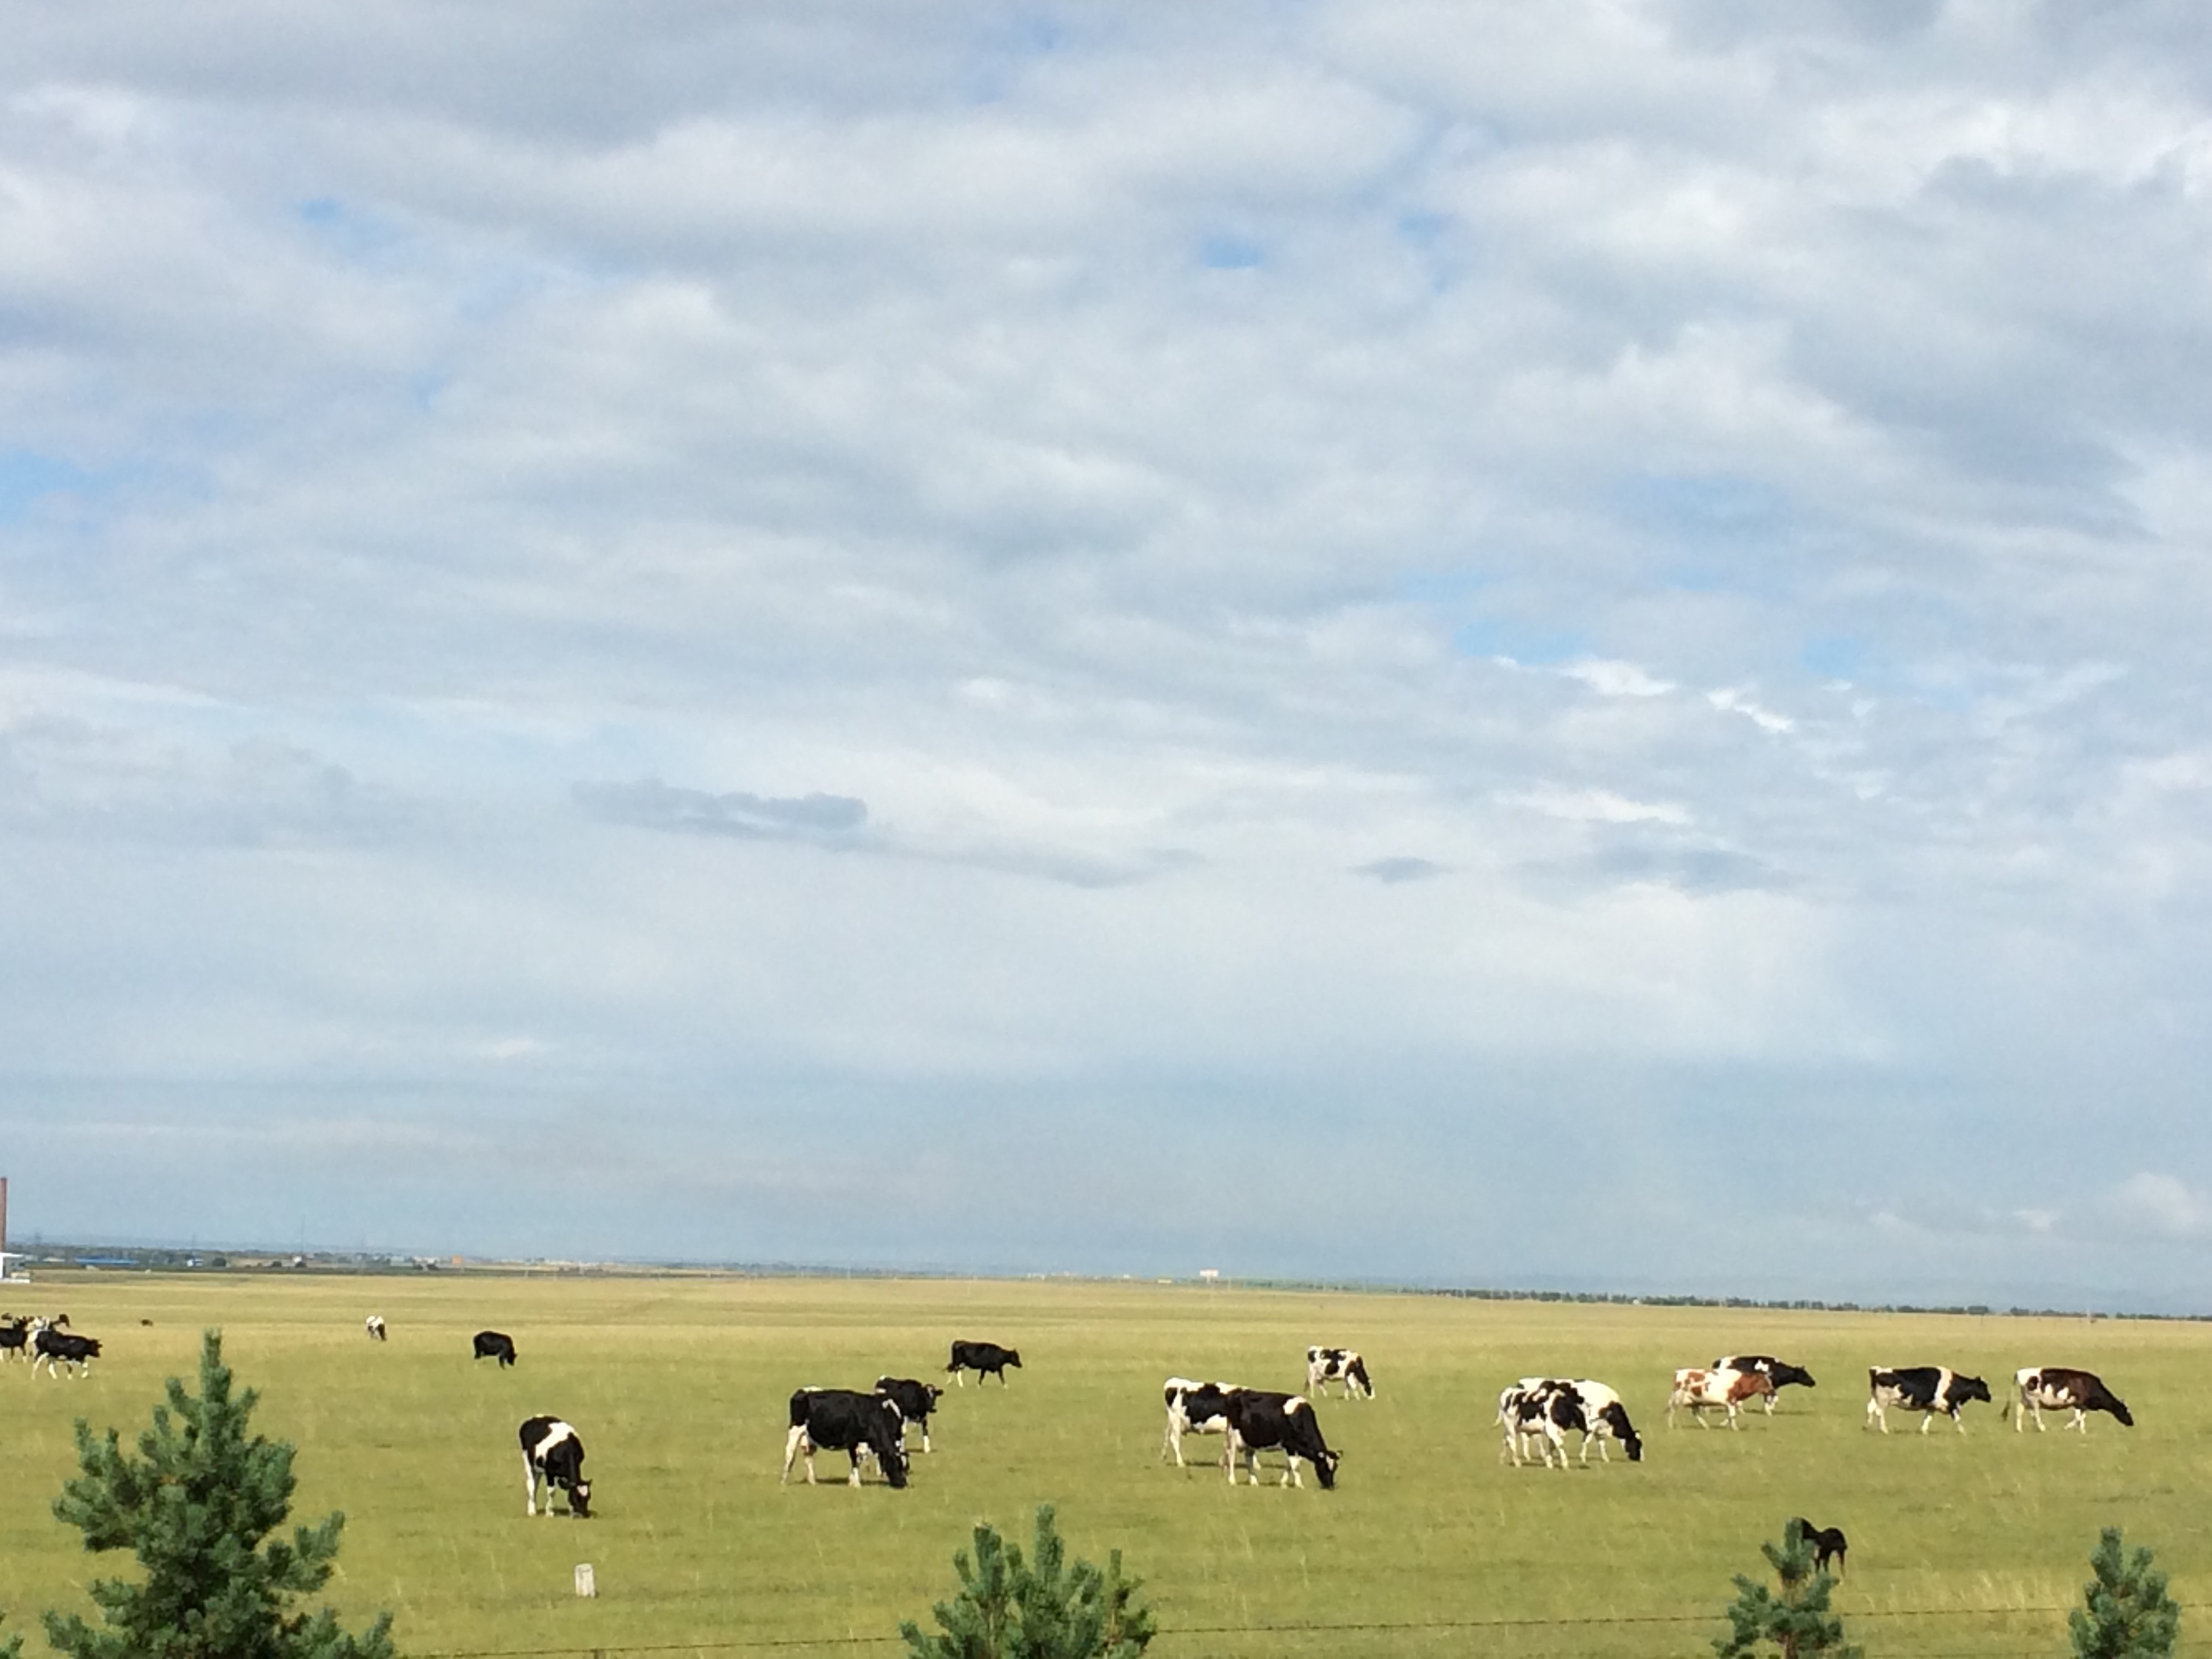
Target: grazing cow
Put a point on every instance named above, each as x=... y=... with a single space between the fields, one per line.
x=2053 y=1388
x=985 y=1360
x=1194 y=1408
x=53 y=1349
x=1828 y=1543
x=375 y=1326
x=553 y=1454
x=1327 y=1366
x=914 y=1399
x=844 y=1419
x=1537 y=1412
x=1703 y=1390
x=1604 y=1418
x=1259 y=1421
x=1533 y=1421
x=1780 y=1372
x=493 y=1345
x=1928 y=1389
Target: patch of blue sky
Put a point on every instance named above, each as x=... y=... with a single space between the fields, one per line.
x=1226 y=251
x=28 y=476
x=1426 y=234
x=359 y=238
x=1004 y=53
x=1835 y=657
x=1702 y=505
x=1516 y=641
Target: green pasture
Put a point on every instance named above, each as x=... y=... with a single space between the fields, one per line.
x=1962 y=1545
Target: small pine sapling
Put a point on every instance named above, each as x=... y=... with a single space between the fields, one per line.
x=1043 y=1607
x=1795 y=1620
x=2127 y=1613
x=197 y=1506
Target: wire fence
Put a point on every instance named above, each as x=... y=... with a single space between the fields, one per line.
x=1173 y=1637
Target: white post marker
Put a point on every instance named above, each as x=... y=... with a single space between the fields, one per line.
x=585 y=1584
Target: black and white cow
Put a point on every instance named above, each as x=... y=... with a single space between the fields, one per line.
x=1327 y=1366
x=985 y=1360
x=915 y=1399
x=493 y=1345
x=1194 y=1408
x=1779 y=1372
x=553 y=1455
x=1538 y=1412
x=56 y=1348
x=1928 y=1389
x=375 y=1326
x=2055 y=1389
x=862 y=1425
x=1260 y=1421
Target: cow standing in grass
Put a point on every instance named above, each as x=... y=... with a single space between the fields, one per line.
x=493 y=1345
x=553 y=1455
x=863 y=1425
x=1194 y=1408
x=2055 y=1389
x=1928 y=1389
x=985 y=1360
x=1780 y=1372
x=1701 y=1390
x=1260 y=1421
x=915 y=1399
x=1327 y=1366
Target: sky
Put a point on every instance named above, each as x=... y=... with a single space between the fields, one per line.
x=1469 y=643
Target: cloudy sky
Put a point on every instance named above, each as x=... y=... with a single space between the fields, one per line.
x=1488 y=643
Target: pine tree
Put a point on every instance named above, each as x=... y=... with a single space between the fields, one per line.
x=2128 y=1613
x=1797 y=1620
x=1041 y=1608
x=195 y=1507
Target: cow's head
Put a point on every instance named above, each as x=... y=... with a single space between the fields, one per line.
x=1325 y=1467
x=1356 y=1372
x=1013 y=1358
x=936 y=1393
x=2118 y=1407
x=1785 y=1373
x=1615 y=1417
x=885 y=1441
x=580 y=1500
x=1964 y=1389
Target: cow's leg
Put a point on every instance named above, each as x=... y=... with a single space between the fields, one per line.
x=792 y=1442
x=529 y=1488
x=1875 y=1414
x=959 y=1379
x=925 y=1434
x=1927 y=1420
x=854 y=1480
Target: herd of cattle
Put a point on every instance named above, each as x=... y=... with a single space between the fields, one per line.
x=48 y=1342
x=1537 y=1412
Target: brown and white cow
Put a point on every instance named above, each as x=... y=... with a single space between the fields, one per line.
x=2053 y=1388
x=1702 y=1390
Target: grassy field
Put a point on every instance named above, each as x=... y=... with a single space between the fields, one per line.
x=1962 y=1545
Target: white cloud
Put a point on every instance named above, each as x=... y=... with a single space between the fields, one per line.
x=2162 y=1204
x=1617 y=679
